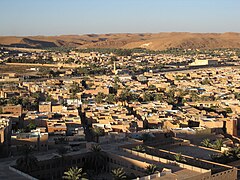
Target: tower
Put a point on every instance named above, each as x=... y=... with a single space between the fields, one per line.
x=114 y=68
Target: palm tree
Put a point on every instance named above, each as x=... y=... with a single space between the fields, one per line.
x=206 y=143
x=96 y=148
x=236 y=152
x=218 y=144
x=178 y=157
x=74 y=89
x=74 y=173
x=221 y=158
x=97 y=160
x=27 y=162
x=151 y=169
x=118 y=174
x=96 y=132
x=139 y=148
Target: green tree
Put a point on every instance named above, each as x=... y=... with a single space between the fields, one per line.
x=30 y=127
x=82 y=71
x=147 y=96
x=152 y=87
x=179 y=157
x=158 y=97
x=124 y=95
x=74 y=173
x=134 y=97
x=48 y=99
x=96 y=132
x=116 y=81
x=70 y=60
x=206 y=82
x=206 y=143
x=194 y=96
x=220 y=158
x=228 y=110
x=113 y=58
x=111 y=98
x=218 y=144
x=127 y=96
x=139 y=148
x=3 y=102
x=171 y=96
x=74 y=89
x=96 y=148
x=13 y=100
x=25 y=102
x=123 y=52
x=118 y=174
x=237 y=95
x=97 y=160
x=235 y=152
x=37 y=96
x=100 y=97
x=151 y=169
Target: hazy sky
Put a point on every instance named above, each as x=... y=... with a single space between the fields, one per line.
x=56 y=17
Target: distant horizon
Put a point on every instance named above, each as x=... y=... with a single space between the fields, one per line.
x=61 y=17
x=49 y=35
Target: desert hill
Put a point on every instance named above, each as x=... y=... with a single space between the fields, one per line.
x=158 y=41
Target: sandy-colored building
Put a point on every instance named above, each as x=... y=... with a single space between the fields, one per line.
x=45 y=107
x=16 y=110
x=36 y=139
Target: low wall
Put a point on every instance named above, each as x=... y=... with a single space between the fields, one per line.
x=229 y=173
x=22 y=173
x=131 y=165
x=196 y=162
x=165 y=161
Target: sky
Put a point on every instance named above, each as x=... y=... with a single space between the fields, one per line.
x=59 y=17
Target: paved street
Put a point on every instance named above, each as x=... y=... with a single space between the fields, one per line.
x=6 y=173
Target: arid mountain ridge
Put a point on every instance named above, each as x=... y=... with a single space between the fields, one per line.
x=158 y=41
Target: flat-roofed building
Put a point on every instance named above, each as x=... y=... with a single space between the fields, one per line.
x=203 y=62
x=56 y=127
x=45 y=107
x=16 y=110
x=36 y=139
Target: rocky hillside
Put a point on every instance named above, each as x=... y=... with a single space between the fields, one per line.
x=157 y=41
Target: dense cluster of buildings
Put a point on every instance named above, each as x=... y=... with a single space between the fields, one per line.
x=166 y=113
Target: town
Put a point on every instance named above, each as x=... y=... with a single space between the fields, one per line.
x=119 y=113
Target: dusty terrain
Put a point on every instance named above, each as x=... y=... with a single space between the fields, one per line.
x=157 y=41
